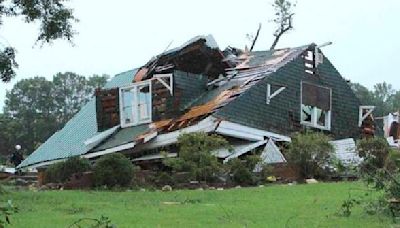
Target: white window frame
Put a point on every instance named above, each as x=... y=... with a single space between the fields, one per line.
x=314 y=113
x=135 y=104
x=160 y=78
x=361 y=117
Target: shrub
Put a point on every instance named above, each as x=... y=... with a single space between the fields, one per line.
x=375 y=150
x=164 y=178
x=392 y=162
x=113 y=170
x=195 y=155
x=380 y=169
x=242 y=170
x=310 y=152
x=62 y=171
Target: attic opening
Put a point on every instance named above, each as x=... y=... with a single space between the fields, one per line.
x=315 y=106
x=312 y=57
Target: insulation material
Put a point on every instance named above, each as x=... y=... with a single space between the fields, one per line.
x=345 y=151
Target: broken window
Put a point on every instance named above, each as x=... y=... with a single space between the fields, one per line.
x=135 y=104
x=316 y=106
x=309 y=62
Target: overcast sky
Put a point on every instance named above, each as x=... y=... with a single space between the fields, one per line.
x=115 y=36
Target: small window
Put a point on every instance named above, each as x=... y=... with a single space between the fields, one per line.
x=135 y=103
x=316 y=106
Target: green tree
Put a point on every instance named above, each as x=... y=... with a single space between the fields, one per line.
x=383 y=97
x=35 y=108
x=69 y=95
x=55 y=22
x=396 y=101
x=9 y=137
x=365 y=96
x=195 y=155
x=72 y=91
x=97 y=81
x=30 y=104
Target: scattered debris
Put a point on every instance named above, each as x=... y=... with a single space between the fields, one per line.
x=255 y=99
x=271 y=179
x=311 y=181
x=345 y=151
x=166 y=188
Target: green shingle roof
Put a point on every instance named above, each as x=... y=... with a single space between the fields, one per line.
x=69 y=141
x=123 y=136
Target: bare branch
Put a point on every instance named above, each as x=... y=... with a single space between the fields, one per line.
x=256 y=37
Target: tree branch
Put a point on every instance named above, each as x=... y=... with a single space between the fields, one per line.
x=256 y=37
x=282 y=30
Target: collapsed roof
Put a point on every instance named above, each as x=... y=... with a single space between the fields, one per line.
x=222 y=77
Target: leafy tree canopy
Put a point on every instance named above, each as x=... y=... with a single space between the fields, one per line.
x=35 y=108
x=55 y=21
x=383 y=96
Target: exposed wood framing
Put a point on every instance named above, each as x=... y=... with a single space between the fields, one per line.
x=107 y=108
x=162 y=77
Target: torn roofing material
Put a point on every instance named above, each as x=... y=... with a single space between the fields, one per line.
x=209 y=103
x=248 y=70
x=70 y=140
x=199 y=55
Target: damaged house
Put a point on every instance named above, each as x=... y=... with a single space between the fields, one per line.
x=254 y=99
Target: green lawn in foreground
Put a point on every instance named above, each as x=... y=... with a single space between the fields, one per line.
x=312 y=205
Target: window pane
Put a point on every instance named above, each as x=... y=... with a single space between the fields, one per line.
x=127 y=102
x=144 y=102
x=306 y=112
x=321 y=117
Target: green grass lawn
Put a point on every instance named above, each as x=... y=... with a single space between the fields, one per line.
x=312 y=205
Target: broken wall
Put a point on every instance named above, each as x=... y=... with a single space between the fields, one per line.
x=282 y=115
x=187 y=88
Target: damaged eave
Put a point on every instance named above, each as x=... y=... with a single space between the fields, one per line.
x=235 y=130
x=209 y=124
x=110 y=150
